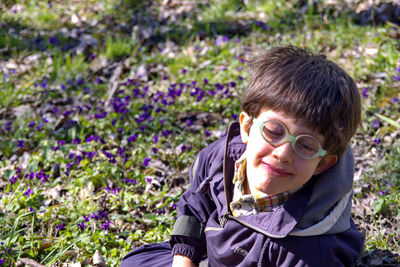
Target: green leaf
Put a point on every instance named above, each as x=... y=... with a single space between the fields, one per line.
x=378 y=205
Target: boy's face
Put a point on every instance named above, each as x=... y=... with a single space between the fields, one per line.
x=276 y=169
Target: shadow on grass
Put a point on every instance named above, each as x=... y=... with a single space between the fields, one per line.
x=378 y=257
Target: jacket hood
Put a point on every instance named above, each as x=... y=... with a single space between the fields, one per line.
x=321 y=206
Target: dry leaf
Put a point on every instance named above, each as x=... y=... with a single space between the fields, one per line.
x=98 y=260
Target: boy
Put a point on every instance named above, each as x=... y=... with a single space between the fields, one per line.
x=276 y=190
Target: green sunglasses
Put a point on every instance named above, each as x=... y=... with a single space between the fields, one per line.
x=304 y=145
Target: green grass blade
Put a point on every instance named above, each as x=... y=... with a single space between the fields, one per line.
x=388 y=120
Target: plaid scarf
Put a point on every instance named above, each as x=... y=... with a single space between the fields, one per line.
x=246 y=204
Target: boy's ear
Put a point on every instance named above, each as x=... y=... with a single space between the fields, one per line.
x=244 y=121
x=325 y=163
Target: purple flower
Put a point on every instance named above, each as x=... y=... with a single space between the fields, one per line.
x=394 y=100
x=220 y=40
x=146 y=161
x=90 y=138
x=44 y=84
x=30 y=176
x=184 y=71
x=39 y=127
x=100 y=215
x=20 y=143
x=55 y=110
x=198 y=99
x=100 y=115
x=61 y=142
x=166 y=132
x=396 y=78
x=174 y=206
x=91 y=154
x=155 y=150
x=189 y=122
x=132 y=138
x=80 y=81
x=116 y=190
x=195 y=92
x=31 y=124
x=219 y=86
x=398 y=69
x=377 y=140
x=155 y=139
x=60 y=227
x=13 y=179
x=87 y=218
x=375 y=124
x=53 y=40
x=207 y=132
x=76 y=141
x=110 y=156
x=82 y=226
x=133 y=181
x=384 y=192
x=365 y=92
x=44 y=178
x=148 y=180
x=8 y=125
x=235 y=117
x=232 y=84
x=260 y=23
x=106 y=225
x=205 y=81
x=28 y=192
x=39 y=175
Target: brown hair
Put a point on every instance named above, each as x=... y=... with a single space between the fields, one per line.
x=306 y=86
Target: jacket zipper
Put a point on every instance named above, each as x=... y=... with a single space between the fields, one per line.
x=224 y=219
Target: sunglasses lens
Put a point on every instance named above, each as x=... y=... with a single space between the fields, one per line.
x=273 y=132
x=306 y=146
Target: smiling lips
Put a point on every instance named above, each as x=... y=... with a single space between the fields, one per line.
x=276 y=171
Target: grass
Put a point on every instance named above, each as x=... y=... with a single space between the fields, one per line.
x=91 y=167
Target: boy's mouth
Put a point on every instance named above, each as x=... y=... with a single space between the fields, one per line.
x=276 y=171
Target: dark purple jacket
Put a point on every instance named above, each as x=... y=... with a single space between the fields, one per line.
x=312 y=228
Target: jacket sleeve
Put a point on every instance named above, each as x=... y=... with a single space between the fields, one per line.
x=195 y=206
x=333 y=250
x=342 y=249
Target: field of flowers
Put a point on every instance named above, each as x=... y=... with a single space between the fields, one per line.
x=104 y=105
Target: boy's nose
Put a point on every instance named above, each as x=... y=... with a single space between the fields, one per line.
x=283 y=152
